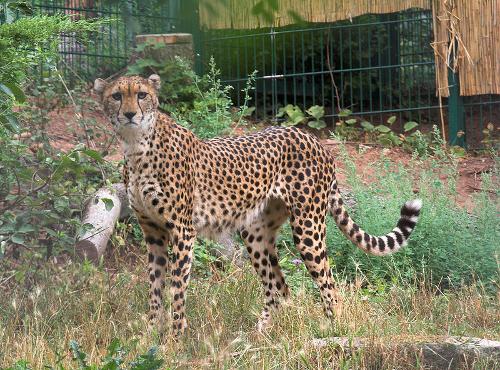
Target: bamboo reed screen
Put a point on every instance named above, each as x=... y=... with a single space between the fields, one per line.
x=237 y=14
x=467 y=38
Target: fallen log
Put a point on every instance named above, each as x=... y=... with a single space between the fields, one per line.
x=440 y=353
x=102 y=211
x=106 y=207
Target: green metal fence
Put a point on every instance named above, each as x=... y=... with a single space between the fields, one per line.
x=110 y=48
x=374 y=65
x=378 y=63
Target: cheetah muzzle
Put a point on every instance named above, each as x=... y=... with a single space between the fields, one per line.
x=180 y=187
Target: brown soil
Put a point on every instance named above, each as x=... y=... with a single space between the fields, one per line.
x=470 y=168
x=67 y=128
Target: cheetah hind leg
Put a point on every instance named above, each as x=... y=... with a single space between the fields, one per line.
x=312 y=248
x=260 y=238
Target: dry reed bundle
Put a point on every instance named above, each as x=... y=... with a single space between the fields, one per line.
x=237 y=14
x=467 y=40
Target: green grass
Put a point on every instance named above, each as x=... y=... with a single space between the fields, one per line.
x=444 y=283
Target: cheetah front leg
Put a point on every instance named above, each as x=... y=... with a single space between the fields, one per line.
x=182 y=258
x=157 y=268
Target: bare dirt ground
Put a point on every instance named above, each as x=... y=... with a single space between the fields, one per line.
x=65 y=132
x=470 y=168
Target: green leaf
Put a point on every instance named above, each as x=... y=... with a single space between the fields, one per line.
x=297 y=119
x=114 y=356
x=351 y=121
x=19 y=6
x=382 y=128
x=282 y=111
x=410 y=126
x=78 y=355
x=18 y=239
x=391 y=120
x=93 y=154
x=84 y=229
x=287 y=124
x=20 y=365
x=318 y=124
x=61 y=204
x=316 y=111
x=458 y=151
x=296 y=17
x=294 y=113
x=15 y=91
x=395 y=139
x=10 y=122
x=108 y=203
x=247 y=112
x=385 y=141
x=24 y=229
x=148 y=361
x=367 y=126
x=345 y=112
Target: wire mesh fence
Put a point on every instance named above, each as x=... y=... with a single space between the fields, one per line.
x=109 y=49
x=376 y=66
x=373 y=66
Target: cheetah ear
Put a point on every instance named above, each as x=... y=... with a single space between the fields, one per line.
x=100 y=85
x=154 y=80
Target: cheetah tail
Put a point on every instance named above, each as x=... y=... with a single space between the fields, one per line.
x=376 y=245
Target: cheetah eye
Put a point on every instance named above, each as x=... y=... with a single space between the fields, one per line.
x=141 y=95
x=117 y=96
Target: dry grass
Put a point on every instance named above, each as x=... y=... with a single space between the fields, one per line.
x=94 y=306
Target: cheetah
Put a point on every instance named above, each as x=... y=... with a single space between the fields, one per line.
x=181 y=187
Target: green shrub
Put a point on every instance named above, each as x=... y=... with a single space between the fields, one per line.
x=450 y=246
x=211 y=114
x=178 y=91
x=41 y=191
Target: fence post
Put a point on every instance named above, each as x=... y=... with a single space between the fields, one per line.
x=456 y=112
x=190 y=21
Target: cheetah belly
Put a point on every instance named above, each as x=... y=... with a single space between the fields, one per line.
x=213 y=223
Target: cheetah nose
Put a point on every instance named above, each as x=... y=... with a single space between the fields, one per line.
x=129 y=115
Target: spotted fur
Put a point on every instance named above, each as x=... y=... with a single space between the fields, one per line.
x=182 y=187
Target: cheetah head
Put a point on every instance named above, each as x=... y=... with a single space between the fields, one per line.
x=131 y=104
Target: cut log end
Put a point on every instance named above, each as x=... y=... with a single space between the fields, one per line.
x=92 y=244
x=87 y=250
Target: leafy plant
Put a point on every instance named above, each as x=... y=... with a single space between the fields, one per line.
x=178 y=91
x=113 y=360
x=440 y=248
x=489 y=140
x=317 y=113
x=211 y=114
x=37 y=186
x=23 y=43
x=347 y=128
x=294 y=116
